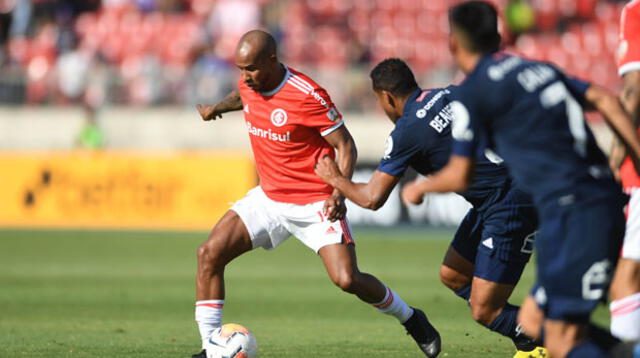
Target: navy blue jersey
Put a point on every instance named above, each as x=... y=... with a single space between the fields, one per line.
x=531 y=115
x=422 y=139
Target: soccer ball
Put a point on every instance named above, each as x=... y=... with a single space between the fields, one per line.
x=231 y=341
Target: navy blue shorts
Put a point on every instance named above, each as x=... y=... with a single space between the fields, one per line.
x=499 y=239
x=577 y=249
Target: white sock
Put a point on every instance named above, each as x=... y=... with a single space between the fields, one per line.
x=208 y=317
x=625 y=318
x=393 y=305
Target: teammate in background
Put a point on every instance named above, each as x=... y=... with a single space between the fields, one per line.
x=531 y=114
x=625 y=288
x=494 y=242
x=291 y=123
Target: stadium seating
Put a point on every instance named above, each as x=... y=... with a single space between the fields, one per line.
x=331 y=34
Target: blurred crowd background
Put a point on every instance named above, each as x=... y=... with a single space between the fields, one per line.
x=123 y=76
x=180 y=52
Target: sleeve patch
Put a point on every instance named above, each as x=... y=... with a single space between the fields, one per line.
x=461 y=130
x=388 y=149
x=333 y=114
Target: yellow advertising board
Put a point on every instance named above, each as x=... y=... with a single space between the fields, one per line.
x=129 y=190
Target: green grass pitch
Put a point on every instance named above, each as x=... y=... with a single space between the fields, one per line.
x=131 y=294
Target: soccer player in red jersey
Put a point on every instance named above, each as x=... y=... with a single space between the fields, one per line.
x=625 y=288
x=292 y=123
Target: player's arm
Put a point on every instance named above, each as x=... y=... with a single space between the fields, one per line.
x=371 y=195
x=617 y=118
x=453 y=177
x=341 y=140
x=630 y=95
x=630 y=98
x=232 y=102
x=617 y=153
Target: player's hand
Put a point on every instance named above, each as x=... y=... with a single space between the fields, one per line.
x=208 y=112
x=327 y=169
x=615 y=170
x=335 y=208
x=411 y=193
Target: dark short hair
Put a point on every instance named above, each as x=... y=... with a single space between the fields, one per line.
x=478 y=20
x=394 y=76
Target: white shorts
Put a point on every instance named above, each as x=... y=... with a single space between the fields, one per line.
x=270 y=222
x=631 y=247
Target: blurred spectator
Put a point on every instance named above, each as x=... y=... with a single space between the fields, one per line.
x=520 y=16
x=230 y=19
x=20 y=17
x=91 y=135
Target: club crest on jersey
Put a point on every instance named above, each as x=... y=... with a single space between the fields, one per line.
x=622 y=49
x=278 y=117
x=333 y=115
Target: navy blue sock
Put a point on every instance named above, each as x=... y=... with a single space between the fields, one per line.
x=506 y=322
x=587 y=349
x=464 y=293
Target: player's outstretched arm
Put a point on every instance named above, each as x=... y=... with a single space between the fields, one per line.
x=630 y=98
x=617 y=153
x=342 y=141
x=453 y=177
x=371 y=195
x=630 y=95
x=617 y=118
x=232 y=102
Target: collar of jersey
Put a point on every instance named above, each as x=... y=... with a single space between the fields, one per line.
x=411 y=99
x=279 y=87
x=485 y=58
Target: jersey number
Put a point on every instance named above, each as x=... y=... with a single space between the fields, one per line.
x=556 y=93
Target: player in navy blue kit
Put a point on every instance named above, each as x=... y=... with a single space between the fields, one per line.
x=494 y=241
x=531 y=114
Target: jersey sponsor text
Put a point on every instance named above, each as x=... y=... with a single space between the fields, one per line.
x=268 y=133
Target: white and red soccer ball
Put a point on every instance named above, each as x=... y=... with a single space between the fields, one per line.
x=231 y=341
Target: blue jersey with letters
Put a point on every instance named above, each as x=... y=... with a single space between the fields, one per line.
x=531 y=114
x=422 y=139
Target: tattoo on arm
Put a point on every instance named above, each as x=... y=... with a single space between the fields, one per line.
x=232 y=102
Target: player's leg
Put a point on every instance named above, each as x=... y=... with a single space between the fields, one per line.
x=570 y=340
x=456 y=271
x=504 y=249
x=499 y=240
x=493 y=284
x=531 y=318
x=334 y=244
x=625 y=305
x=572 y=337
x=247 y=225
x=577 y=247
x=228 y=240
x=489 y=301
x=341 y=264
x=625 y=288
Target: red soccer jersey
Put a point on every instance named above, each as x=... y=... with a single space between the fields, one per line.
x=286 y=128
x=629 y=60
x=629 y=47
